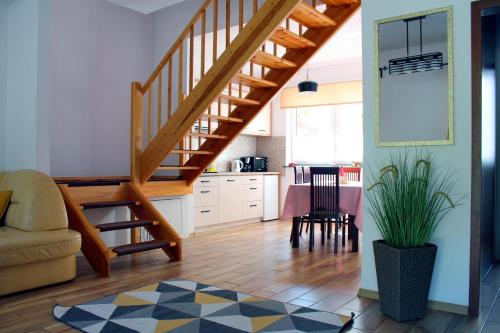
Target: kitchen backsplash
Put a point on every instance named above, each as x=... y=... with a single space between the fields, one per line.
x=243 y=145
x=274 y=147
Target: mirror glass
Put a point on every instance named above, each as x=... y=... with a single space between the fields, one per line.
x=414 y=83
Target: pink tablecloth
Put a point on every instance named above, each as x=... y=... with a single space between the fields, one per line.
x=297 y=202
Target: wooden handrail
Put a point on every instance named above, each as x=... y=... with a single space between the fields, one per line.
x=175 y=45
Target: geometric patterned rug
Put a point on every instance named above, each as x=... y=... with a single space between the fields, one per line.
x=181 y=306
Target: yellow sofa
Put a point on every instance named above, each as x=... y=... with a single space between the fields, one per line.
x=36 y=246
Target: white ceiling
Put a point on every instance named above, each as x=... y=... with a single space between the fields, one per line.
x=345 y=46
x=145 y=6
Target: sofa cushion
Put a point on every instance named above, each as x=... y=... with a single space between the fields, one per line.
x=36 y=203
x=19 y=247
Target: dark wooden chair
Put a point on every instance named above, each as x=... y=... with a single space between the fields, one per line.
x=306 y=170
x=325 y=204
x=299 y=174
x=352 y=174
x=299 y=179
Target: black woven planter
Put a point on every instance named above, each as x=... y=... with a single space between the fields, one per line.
x=404 y=277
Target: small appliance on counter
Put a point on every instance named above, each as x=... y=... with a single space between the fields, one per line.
x=211 y=168
x=236 y=166
x=254 y=164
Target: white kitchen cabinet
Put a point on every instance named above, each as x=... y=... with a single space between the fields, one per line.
x=253 y=192
x=206 y=216
x=206 y=196
x=252 y=209
x=261 y=124
x=171 y=209
x=230 y=199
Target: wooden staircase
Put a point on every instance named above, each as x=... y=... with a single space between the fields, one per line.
x=216 y=102
x=96 y=194
x=207 y=88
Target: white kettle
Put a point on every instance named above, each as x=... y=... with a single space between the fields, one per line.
x=236 y=165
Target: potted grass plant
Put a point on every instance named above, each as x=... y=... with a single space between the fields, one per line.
x=407 y=200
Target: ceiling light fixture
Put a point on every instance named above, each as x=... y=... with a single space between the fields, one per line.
x=307 y=86
x=422 y=62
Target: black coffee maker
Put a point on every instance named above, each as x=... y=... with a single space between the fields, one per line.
x=247 y=163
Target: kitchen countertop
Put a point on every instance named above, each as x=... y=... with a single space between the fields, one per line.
x=213 y=174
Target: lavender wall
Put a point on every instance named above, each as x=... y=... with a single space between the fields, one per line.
x=98 y=49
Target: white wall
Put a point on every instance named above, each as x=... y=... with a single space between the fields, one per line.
x=450 y=282
x=26 y=147
x=3 y=85
x=22 y=85
x=98 y=49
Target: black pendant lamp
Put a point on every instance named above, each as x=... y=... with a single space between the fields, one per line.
x=308 y=86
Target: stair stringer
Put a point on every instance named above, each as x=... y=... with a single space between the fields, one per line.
x=249 y=40
x=93 y=247
x=300 y=58
x=162 y=231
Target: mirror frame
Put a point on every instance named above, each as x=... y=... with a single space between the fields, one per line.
x=451 y=133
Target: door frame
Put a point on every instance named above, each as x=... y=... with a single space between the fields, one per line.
x=477 y=8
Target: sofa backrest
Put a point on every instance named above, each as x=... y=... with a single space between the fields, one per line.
x=36 y=203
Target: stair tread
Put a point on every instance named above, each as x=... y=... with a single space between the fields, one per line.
x=82 y=183
x=193 y=152
x=253 y=82
x=208 y=136
x=123 y=225
x=268 y=60
x=336 y=3
x=141 y=247
x=177 y=167
x=291 y=40
x=223 y=118
x=238 y=101
x=310 y=17
x=105 y=204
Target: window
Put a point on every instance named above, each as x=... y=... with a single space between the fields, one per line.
x=326 y=134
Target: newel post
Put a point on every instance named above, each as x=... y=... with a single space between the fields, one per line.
x=136 y=132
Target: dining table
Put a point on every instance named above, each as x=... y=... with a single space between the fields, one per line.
x=297 y=204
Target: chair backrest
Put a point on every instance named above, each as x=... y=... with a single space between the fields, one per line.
x=325 y=192
x=352 y=174
x=299 y=174
x=307 y=174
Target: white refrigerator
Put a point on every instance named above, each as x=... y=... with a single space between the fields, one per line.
x=271 y=204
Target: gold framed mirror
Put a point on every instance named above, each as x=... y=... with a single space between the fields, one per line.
x=414 y=79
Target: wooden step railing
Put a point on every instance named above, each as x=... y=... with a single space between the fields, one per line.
x=181 y=104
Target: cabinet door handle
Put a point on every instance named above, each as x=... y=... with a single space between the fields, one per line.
x=205 y=181
x=204 y=211
x=204 y=191
x=253 y=188
x=253 y=205
x=262 y=130
x=253 y=179
x=230 y=180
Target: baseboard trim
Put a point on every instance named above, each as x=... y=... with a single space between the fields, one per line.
x=434 y=305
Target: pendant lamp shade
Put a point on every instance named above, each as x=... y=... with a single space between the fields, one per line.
x=308 y=86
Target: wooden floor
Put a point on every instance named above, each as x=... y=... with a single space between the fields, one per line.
x=255 y=259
